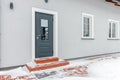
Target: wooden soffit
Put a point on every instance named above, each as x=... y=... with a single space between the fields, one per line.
x=115 y=2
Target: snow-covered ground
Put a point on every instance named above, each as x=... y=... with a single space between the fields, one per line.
x=98 y=68
x=103 y=68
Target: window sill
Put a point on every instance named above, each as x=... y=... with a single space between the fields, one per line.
x=88 y=38
x=113 y=39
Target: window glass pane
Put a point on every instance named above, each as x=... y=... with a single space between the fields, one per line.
x=110 y=28
x=44 y=22
x=114 y=30
x=44 y=33
x=86 y=27
x=44 y=29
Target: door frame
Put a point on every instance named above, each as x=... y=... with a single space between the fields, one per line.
x=55 y=30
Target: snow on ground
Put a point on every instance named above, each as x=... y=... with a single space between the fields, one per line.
x=99 y=68
x=82 y=78
x=105 y=69
x=15 y=72
x=102 y=68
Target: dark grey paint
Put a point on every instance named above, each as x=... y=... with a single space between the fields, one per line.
x=43 y=48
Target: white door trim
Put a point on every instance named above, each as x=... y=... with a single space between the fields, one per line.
x=55 y=30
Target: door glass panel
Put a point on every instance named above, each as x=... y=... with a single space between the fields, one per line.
x=44 y=29
x=44 y=23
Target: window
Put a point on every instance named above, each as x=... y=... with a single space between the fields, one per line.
x=87 y=26
x=113 y=29
x=44 y=29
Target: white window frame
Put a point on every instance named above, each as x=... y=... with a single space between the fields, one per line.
x=91 y=33
x=117 y=29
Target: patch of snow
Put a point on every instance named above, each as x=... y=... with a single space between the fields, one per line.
x=15 y=72
x=105 y=69
x=81 y=78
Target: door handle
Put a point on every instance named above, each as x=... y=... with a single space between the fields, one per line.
x=38 y=36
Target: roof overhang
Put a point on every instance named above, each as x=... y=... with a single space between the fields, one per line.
x=115 y=2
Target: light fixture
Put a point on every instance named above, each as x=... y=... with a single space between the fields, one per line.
x=46 y=1
x=11 y=5
x=115 y=2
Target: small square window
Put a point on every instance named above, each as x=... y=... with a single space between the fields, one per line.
x=113 y=29
x=44 y=23
x=87 y=26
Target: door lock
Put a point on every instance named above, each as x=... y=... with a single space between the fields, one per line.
x=38 y=36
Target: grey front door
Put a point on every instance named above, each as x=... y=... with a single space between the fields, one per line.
x=43 y=35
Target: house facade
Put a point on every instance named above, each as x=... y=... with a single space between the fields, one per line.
x=17 y=24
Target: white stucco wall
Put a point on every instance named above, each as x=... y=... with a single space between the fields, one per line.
x=0 y=31
x=16 y=29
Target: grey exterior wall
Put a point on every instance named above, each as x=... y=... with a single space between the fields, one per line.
x=16 y=29
x=0 y=32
